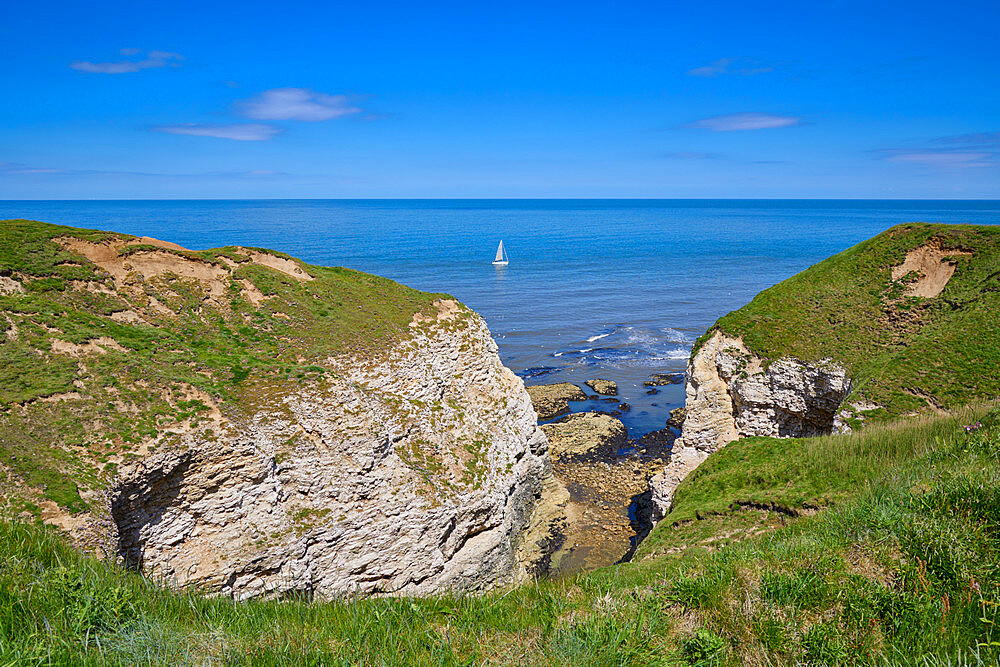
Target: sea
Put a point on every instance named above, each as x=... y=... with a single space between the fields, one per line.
x=615 y=289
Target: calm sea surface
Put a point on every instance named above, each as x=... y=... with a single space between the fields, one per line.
x=595 y=288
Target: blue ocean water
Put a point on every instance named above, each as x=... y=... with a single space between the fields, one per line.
x=595 y=288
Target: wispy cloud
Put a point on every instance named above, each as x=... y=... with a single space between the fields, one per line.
x=134 y=64
x=980 y=149
x=737 y=66
x=977 y=139
x=297 y=104
x=20 y=169
x=733 y=122
x=946 y=158
x=690 y=155
x=235 y=131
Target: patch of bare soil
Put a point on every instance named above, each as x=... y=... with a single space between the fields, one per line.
x=10 y=286
x=58 y=398
x=127 y=317
x=286 y=266
x=447 y=309
x=96 y=346
x=54 y=515
x=252 y=294
x=147 y=264
x=149 y=240
x=934 y=269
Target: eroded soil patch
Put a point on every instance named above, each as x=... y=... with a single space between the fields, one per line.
x=932 y=264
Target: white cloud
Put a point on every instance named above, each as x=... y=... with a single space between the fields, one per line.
x=941 y=158
x=236 y=131
x=20 y=169
x=297 y=104
x=152 y=59
x=739 y=66
x=743 y=121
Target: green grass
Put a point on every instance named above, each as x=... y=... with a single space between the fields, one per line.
x=904 y=568
x=226 y=347
x=801 y=474
x=895 y=348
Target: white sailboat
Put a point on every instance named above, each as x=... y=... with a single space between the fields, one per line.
x=501 y=259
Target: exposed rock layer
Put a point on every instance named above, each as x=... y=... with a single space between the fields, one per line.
x=584 y=433
x=730 y=395
x=410 y=474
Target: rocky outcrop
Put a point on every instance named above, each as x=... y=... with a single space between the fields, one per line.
x=655 y=443
x=604 y=387
x=413 y=473
x=546 y=532
x=731 y=394
x=662 y=379
x=676 y=418
x=551 y=400
x=585 y=433
x=607 y=478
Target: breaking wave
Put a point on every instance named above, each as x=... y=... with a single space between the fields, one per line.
x=630 y=346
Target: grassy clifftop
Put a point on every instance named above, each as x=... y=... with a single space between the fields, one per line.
x=911 y=313
x=903 y=570
x=110 y=343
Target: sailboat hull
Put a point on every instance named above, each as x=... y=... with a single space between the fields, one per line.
x=503 y=263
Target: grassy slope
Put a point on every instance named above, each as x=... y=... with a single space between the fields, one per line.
x=902 y=565
x=904 y=569
x=847 y=307
x=228 y=348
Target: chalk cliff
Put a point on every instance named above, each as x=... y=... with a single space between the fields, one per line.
x=730 y=394
x=408 y=474
x=240 y=421
x=877 y=331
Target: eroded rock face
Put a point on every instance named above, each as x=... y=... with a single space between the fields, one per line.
x=730 y=395
x=410 y=474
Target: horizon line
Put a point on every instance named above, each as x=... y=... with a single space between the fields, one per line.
x=181 y=199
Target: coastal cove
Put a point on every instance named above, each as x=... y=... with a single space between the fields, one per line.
x=249 y=433
x=595 y=288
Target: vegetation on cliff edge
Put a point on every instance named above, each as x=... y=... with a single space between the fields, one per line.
x=905 y=352
x=98 y=366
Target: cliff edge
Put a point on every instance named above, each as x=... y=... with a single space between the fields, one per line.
x=242 y=421
x=897 y=325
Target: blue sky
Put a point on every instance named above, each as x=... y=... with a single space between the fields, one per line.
x=665 y=99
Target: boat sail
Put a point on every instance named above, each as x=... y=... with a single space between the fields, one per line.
x=501 y=259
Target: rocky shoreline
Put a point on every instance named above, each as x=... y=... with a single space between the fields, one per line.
x=601 y=478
